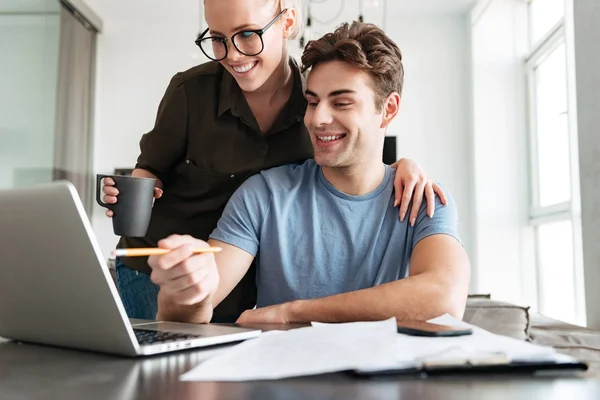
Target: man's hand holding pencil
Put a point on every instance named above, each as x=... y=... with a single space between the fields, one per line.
x=187 y=276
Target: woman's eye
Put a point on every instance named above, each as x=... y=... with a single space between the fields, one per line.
x=313 y=105
x=247 y=35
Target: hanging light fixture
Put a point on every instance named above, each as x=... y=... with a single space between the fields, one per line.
x=361 y=15
x=305 y=38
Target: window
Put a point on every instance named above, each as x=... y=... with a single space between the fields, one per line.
x=553 y=205
x=543 y=16
x=555 y=251
x=554 y=183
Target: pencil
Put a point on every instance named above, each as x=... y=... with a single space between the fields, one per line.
x=141 y=252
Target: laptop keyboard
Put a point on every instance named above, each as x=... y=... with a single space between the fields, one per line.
x=154 y=337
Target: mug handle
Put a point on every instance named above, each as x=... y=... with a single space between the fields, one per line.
x=99 y=178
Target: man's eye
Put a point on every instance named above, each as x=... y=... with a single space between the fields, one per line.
x=342 y=104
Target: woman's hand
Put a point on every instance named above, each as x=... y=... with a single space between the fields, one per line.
x=412 y=182
x=111 y=192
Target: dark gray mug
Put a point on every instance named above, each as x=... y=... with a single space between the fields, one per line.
x=132 y=211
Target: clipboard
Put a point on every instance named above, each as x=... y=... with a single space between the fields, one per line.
x=560 y=364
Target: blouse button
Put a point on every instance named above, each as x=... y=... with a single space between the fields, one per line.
x=232 y=176
x=187 y=161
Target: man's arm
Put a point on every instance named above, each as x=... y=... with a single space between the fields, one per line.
x=192 y=285
x=187 y=283
x=438 y=284
x=232 y=264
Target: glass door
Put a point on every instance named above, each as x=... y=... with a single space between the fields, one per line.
x=29 y=45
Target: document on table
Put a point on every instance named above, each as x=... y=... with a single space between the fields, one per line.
x=312 y=350
x=483 y=341
x=361 y=346
x=482 y=347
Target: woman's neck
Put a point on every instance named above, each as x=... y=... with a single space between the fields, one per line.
x=276 y=86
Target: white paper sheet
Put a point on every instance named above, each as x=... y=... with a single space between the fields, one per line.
x=305 y=351
x=482 y=346
x=363 y=346
x=483 y=341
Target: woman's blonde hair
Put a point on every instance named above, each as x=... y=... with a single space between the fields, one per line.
x=297 y=5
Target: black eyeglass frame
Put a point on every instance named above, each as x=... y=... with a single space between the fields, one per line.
x=224 y=40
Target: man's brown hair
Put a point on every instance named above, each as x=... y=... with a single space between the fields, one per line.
x=366 y=47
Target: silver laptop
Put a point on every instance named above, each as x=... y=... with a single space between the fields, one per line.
x=56 y=289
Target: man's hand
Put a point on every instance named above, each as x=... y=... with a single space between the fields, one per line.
x=277 y=314
x=185 y=278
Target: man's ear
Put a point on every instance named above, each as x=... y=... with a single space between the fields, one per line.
x=289 y=21
x=391 y=106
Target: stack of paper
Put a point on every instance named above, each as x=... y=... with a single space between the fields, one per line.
x=480 y=345
x=305 y=351
x=361 y=346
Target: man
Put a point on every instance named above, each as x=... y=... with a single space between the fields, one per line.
x=326 y=234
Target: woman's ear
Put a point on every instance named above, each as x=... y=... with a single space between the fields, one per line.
x=391 y=106
x=289 y=22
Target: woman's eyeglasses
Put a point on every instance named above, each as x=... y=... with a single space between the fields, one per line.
x=248 y=42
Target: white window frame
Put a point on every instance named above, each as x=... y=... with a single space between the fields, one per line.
x=538 y=55
x=568 y=210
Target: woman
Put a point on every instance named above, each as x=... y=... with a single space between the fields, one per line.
x=219 y=123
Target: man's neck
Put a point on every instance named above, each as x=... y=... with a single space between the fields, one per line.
x=357 y=180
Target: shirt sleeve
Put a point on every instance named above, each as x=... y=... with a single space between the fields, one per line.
x=444 y=221
x=241 y=222
x=166 y=143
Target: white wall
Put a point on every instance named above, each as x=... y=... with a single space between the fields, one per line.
x=505 y=266
x=138 y=53
x=433 y=127
x=139 y=50
x=587 y=36
x=136 y=59
x=434 y=124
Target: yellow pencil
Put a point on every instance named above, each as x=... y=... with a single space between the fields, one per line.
x=141 y=252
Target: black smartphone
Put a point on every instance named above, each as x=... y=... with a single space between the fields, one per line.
x=421 y=328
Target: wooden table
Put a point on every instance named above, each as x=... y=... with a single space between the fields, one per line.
x=37 y=372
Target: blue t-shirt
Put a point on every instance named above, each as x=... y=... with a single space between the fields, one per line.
x=312 y=240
